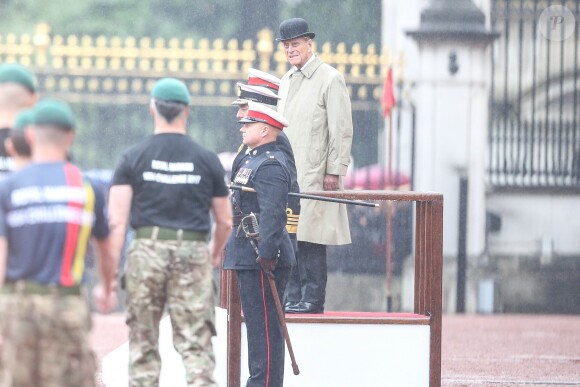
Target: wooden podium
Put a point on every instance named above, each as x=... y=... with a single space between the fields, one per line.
x=422 y=328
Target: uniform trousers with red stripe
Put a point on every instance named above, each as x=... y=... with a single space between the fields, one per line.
x=266 y=349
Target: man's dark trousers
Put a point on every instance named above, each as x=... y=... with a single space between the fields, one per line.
x=308 y=279
x=264 y=332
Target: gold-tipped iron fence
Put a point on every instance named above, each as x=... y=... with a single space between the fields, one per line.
x=123 y=70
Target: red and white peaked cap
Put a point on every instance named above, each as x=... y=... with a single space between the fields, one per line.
x=257 y=94
x=260 y=78
x=258 y=112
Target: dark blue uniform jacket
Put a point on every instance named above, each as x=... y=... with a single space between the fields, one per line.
x=283 y=144
x=265 y=170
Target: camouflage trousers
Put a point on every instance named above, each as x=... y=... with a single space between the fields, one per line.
x=46 y=341
x=176 y=275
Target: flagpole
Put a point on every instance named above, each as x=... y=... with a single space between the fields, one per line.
x=388 y=103
x=390 y=219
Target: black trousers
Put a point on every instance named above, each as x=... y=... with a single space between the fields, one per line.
x=308 y=279
x=265 y=338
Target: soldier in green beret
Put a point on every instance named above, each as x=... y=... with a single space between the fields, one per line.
x=167 y=185
x=17 y=92
x=48 y=213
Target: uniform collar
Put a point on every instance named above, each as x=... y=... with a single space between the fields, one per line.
x=263 y=149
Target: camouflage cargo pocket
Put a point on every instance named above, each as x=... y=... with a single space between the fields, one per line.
x=196 y=253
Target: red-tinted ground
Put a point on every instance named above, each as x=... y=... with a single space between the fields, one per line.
x=511 y=350
x=496 y=350
x=109 y=332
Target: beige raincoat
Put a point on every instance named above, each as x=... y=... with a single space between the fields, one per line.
x=315 y=102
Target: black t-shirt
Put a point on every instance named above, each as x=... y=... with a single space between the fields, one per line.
x=174 y=180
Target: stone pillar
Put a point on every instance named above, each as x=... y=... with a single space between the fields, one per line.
x=452 y=115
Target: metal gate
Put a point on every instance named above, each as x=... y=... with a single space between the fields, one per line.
x=534 y=133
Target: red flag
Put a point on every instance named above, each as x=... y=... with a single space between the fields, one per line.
x=388 y=94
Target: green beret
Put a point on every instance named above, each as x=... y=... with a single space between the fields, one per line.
x=52 y=112
x=23 y=119
x=171 y=89
x=13 y=72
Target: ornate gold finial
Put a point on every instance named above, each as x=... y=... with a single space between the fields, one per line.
x=341 y=57
x=399 y=70
x=356 y=60
x=41 y=37
x=232 y=55
x=265 y=37
x=265 y=48
x=41 y=41
x=386 y=58
x=247 y=55
x=371 y=59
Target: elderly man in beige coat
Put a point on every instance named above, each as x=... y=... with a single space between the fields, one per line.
x=315 y=101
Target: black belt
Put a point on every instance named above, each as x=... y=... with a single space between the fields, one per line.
x=32 y=287
x=170 y=234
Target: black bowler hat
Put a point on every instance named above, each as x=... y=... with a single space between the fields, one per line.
x=294 y=28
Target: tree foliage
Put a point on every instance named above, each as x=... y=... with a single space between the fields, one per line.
x=156 y=18
x=347 y=21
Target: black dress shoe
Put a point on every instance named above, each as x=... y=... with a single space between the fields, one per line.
x=289 y=304
x=305 y=308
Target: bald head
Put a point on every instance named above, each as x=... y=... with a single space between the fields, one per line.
x=14 y=97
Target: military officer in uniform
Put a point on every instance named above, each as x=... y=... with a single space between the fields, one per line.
x=169 y=184
x=260 y=243
x=262 y=88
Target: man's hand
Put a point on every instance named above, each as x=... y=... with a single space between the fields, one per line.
x=105 y=302
x=268 y=265
x=214 y=254
x=330 y=183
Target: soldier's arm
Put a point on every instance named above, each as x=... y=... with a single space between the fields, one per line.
x=271 y=184
x=222 y=213
x=105 y=295
x=107 y=263
x=120 y=197
x=3 y=259
x=221 y=209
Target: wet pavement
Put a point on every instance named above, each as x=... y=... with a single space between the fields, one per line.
x=511 y=350
x=477 y=350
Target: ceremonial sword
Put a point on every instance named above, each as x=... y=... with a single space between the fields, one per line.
x=312 y=197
